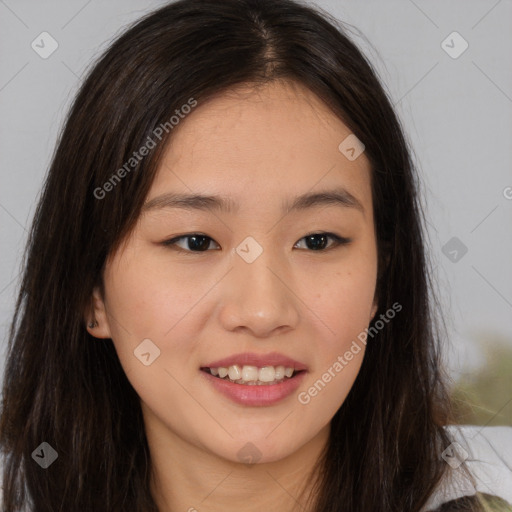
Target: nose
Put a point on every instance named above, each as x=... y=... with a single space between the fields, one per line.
x=259 y=297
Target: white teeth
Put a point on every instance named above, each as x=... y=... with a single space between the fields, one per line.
x=249 y=373
x=279 y=372
x=252 y=375
x=267 y=374
x=234 y=372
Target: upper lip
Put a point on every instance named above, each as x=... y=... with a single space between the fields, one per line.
x=259 y=360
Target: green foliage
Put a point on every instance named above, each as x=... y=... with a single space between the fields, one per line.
x=491 y=503
x=484 y=397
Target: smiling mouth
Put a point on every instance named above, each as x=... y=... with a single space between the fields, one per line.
x=252 y=375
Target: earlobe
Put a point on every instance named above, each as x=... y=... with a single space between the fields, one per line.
x=96 y=318
x=375 y=307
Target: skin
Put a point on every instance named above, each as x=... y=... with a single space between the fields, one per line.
x=259 y=147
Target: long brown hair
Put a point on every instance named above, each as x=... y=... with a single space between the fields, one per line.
x=63 y=387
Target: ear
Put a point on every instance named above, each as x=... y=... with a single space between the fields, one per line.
x=374 y=309
x=96 y=320
x=375 y=306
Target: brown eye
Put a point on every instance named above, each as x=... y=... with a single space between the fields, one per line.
x=319 y=241
x=196 y=242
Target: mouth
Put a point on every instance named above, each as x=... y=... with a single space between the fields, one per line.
x=254 y=386
x=255 y=380
x=249 y=375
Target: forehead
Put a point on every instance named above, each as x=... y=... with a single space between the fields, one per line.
x=261 y=144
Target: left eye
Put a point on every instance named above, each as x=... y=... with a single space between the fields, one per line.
x=200 y=243
x=318 y=241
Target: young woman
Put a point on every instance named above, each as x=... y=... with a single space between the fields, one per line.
x=225 y=303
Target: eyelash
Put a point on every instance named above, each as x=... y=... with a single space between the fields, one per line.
x=338 y=242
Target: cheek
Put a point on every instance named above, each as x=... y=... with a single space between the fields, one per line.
x=343 y=302
x=146 y=299
x=345 y=312
x=144 y=303
x=347 y=308
x=344 y=309
x=343 y=299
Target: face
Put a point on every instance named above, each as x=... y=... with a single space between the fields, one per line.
x=257 y=278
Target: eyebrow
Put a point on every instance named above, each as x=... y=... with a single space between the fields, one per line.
x=333 y=197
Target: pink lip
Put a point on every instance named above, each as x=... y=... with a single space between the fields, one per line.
x=259 y=360
x=256 y=396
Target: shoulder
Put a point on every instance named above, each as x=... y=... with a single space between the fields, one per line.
x=486 y=452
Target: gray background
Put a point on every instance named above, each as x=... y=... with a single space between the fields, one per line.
x=456 y=113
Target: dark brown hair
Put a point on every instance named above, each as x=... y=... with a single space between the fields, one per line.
x=63 y=387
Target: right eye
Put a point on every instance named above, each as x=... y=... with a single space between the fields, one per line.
x=197 y=242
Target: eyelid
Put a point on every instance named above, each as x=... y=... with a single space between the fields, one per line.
x=339 y=241
x=172 y=243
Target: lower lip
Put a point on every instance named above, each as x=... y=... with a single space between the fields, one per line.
x=256 y=396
